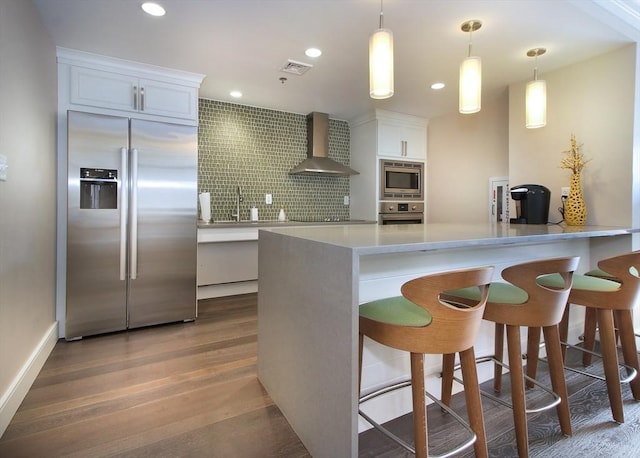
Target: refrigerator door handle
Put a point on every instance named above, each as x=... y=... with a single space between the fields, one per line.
x=122 y=184
x=134 y=215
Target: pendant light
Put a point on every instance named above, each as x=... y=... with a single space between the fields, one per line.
x=536 y=96
x=381 y=62
x=470 y=87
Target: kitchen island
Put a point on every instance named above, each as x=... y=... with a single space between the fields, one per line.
x=312 y=279
x=228 y=254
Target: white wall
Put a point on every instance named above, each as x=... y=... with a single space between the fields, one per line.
x=27 y=201
x=464 y=151
x=595 y=101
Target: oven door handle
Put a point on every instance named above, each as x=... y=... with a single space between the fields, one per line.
x=408 y=218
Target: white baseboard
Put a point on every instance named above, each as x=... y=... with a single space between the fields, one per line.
x=15 y=394
x=227 y=289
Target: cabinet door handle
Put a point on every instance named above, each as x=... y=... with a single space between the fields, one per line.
x=141 y=99
x=135 y=97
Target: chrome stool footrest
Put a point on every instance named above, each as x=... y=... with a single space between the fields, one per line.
x=486 y=359
x=399 y=441
x=631 y=371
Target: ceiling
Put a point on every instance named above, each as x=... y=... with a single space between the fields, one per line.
x=243 y=44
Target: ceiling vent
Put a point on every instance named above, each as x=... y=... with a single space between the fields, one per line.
x=296 y=68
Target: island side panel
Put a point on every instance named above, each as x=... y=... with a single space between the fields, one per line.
x=307 y=339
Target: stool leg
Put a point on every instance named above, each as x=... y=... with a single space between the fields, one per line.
x=564 y=329
x=448 y=364
x=624 y=319
x=556 y=370
x=360 y=345
x=610 y=362
x=533 y=350
x=590 y=324
x=474 y=404
x=498 y=352
x=419 y=405
x=517 y=390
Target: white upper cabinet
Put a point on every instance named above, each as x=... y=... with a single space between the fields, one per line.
x=401 y=135
x=107 y=83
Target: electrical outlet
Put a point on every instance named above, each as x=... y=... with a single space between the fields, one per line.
x=268 y=199
x=564 y=191
x=346 y=200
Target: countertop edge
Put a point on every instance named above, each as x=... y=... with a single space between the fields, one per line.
x=383 y=239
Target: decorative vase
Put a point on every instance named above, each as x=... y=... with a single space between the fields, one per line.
x=575 y=210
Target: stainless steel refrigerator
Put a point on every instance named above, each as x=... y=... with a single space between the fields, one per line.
x=131 y=223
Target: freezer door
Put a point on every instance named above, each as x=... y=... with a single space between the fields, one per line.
x=96 y=288
x=163 y=233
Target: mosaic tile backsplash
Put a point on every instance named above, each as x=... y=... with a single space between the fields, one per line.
x=255 y=148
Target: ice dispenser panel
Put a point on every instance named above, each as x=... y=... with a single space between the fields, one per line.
x=98 y=188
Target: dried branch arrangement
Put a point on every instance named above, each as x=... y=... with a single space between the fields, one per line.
x=575 y=160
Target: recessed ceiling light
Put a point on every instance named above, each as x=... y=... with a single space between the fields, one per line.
x=235 y=94
x=153 y=9
x=437 y=86
x=313 y=52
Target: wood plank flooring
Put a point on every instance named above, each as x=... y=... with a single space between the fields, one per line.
x=185 y=389
x=190 y=390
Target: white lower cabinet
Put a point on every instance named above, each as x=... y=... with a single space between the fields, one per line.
x=227 y=262
x=227 y=268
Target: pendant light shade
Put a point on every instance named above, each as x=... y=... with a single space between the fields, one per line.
x=470 y=96
x=536 y=104
x=536 y=96
x=381 y=62
x=470 y=85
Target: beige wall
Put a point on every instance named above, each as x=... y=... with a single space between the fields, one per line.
x=592 y=99
x=463 y=152
x=27 y=198
x=595 y=101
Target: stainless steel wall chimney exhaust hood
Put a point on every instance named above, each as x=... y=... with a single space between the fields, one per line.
x=318 y=162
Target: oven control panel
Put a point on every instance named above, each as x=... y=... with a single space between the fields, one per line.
x=401 y=207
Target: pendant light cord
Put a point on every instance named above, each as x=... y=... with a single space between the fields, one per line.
x=381 y=15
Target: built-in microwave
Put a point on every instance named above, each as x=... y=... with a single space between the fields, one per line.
x=401 y=180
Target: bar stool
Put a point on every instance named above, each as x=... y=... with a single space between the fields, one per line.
x=420 y=323
x=590 y=321
x=524 y=302
x=606 y=299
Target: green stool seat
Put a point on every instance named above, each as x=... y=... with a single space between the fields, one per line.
x=499 y=293
x=602 y=274
x=582 y=282
x=396 y=310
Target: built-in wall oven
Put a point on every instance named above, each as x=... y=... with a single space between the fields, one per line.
x=401 y=213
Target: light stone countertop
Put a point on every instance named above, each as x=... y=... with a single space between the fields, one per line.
x=232 y=231
x=376 y=239
x=275 y=223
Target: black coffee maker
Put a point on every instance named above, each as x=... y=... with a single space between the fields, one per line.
x=532 y=204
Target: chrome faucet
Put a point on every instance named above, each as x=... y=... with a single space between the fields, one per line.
x=239 y=198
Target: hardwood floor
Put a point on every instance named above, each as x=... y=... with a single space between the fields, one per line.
x=190 y=390
x=185 y=389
